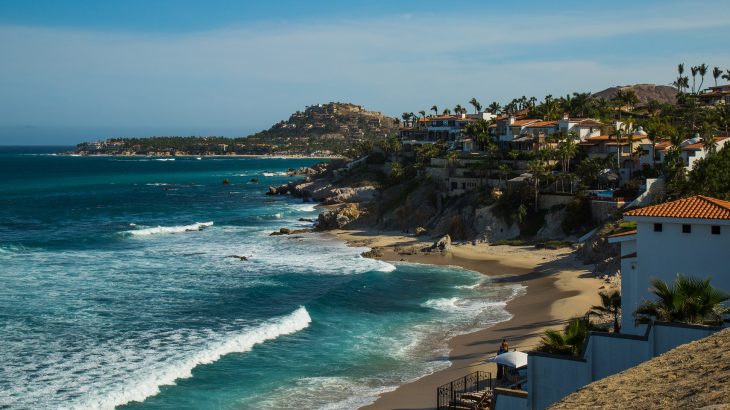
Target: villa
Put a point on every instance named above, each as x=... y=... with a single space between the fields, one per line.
x=669 y=238
x=692 y=150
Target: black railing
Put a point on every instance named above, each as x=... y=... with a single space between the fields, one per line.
x=465 y=392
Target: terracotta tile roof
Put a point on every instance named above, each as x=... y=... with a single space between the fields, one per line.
x=620 y=234
x=520 y=123
x=695 y=207
x=543 y=124
x=589 y=122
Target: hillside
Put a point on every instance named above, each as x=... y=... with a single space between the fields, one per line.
x=332 y=126
x=691 y=376
x=645 y=92
x=320 y=129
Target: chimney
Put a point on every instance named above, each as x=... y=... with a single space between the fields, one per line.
x=565 y=116
x=511 y=120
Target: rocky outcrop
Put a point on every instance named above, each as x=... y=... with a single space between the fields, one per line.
x=491 y=228
x=553 y=227
x=442 y=245
x=287 y=231
x=340 y=218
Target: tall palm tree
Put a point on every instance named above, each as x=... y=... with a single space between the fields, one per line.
x=568 y=342
x=423 y=113
x=446 y=111
x=726 y=76
x=475 y=104
x=610 y=305
x=702 y=70
x=458 y=109
x=435 y=109
x=688 y=300
x=694 y=70
x=494 y=107
x=722 y=117
x=716 y=73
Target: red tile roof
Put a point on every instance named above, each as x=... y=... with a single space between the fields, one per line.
x=527 y=121
x=620 y=234
x=695 y=207
x=543 y=124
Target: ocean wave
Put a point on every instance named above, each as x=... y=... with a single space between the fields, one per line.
x=461 y=305
x=304 y=207
x=275 y=174
x=198 y=226
x=164 y=159
x=149 y=381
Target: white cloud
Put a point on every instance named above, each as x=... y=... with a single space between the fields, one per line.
x=248 y=77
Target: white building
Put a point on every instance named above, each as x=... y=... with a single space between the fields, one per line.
x=689 y=236
x=692 y=149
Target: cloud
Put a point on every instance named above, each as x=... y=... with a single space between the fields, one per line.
x=248 y=77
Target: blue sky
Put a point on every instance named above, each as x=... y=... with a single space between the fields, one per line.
x=80 y=70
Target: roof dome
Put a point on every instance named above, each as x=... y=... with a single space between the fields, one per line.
x=640 y=131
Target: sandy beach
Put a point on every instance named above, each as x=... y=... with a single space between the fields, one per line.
x=558 y=286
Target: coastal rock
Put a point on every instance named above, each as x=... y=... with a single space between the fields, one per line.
x=552 y=229
x=347 y=195
x=491 y=228
x=373 y=253
x=442 y=245
x=340 y=218
x=420 y=230
x=287 y=231
x=243 y=258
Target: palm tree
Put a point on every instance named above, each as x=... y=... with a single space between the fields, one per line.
x=688 y=300
x=423 y=113
x=702 y=69
x=435 y=109
x=447 y=111
x=568 y=342
x=458 y=109
x=610 y=305
x=494 y=107
x=723 y=117
x=406 y=117
x=694 y=70
x=726 y=76
x=475 y=104
x=716 y=73
x=540 y=170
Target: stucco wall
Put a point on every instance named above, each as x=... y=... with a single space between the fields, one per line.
x=664 y=254
x=550 y=378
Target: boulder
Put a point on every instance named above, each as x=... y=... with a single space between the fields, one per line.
x=442 y=245
x=340 y=218
x=420 y=230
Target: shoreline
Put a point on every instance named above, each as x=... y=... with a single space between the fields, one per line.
x=282 y=156
x=558 y=287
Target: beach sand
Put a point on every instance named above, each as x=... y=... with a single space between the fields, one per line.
x=559 y=287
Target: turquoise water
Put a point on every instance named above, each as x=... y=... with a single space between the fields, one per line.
x=117 y=290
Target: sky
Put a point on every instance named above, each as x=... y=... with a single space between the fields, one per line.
x=73 y=71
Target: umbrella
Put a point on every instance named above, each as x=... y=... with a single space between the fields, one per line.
x=510 y=359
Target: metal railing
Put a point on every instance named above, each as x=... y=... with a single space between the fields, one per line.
x=449 y=396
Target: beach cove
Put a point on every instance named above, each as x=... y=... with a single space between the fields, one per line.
x=558 y=287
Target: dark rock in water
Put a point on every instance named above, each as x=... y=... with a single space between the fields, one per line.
x=226 y=182
x=306 y=220
x=287 y=231
x=243 y=258
x=306 y=199
x=271 y=191
x=254 y=180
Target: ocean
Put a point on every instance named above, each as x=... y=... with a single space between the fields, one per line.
x=118 y=288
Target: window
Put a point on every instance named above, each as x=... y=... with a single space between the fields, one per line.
x=715 y=229
x=686 y=228
x=657 y=227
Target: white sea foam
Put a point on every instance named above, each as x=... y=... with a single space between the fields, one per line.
x=305 y=207
x=275 y=174
x=198 y=226
x=146 y=382
x=164 y=159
